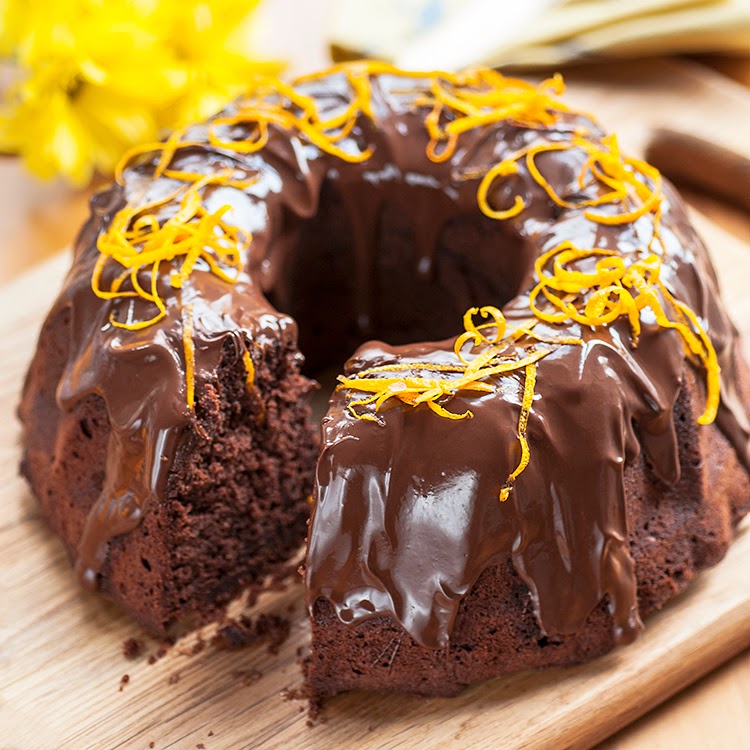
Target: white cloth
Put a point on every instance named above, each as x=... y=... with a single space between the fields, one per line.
x=450 y=34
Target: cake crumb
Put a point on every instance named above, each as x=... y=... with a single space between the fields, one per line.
x=132 y=648
x=200 y=746
x=151 y=744
x=253 y=593
x=174 y=678
x=199 y=645
x=235 y=634
x=243 y=632
x=160 y=652
x=314 y=705
x=274 y=629
x=124 y=680
x=210 y=733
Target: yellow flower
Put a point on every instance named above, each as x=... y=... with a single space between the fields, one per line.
x=96 y=76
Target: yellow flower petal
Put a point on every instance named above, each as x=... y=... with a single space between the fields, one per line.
x=98 y=76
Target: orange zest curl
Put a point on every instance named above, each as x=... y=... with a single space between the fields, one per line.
x=523 y=421
x=502 y=169
x=249 y=368
x=614 y=290
x=430 y=383
x=479 y=97
x=189 y=347
x=138 y=242
x=277 y=103
x=631 y=184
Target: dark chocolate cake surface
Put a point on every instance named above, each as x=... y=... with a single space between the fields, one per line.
x=487 y=500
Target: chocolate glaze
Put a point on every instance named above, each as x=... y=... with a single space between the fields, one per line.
x=406 y=515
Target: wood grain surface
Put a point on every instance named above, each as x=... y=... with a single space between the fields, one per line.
x=60 y=649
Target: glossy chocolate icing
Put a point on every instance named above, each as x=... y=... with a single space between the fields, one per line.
x=406 y=515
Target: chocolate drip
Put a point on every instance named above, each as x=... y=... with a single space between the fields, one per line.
x=407 y=514
x=141 y=375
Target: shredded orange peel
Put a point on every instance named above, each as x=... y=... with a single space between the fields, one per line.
x=277 y=103
x=188 y=344
x=382 y=383
x=139 y=243
x=631 y=184
x=249 y=368
x=523 y=422
x=458 y=102
x=479 y=97
x=614 y=290
x=498 y=354
x=455 y=103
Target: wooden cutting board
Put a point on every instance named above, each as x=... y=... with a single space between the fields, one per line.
x=61 y=658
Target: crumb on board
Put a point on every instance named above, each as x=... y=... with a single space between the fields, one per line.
x=160 y=652
x=242 y=632
x=314 y=706
x=132 y=648
x=235 y=634
x=273 y=629
x=198 y=646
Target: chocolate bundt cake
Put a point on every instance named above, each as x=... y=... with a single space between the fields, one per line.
x=565 y=458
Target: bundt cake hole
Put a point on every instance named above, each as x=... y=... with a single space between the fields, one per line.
x=399 y=288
